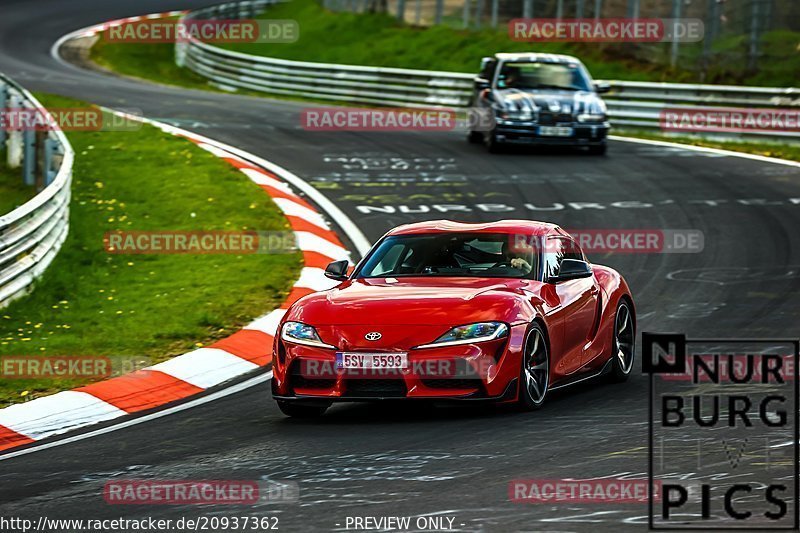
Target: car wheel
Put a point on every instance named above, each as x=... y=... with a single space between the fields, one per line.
x=597 y=150
x=298 y=410
x=492 y=144
x=474 y=137
x=624 y=342
x=534 y=376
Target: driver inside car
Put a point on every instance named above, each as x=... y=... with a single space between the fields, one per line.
x=517 y=256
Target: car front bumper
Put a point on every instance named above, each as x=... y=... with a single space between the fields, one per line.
x=581 y=134
x=481 y=371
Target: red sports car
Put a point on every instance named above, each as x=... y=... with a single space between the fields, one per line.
x=502 y=311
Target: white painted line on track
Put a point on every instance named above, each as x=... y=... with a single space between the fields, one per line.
x=718 y=151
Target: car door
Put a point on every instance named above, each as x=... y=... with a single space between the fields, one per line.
x=578 y=299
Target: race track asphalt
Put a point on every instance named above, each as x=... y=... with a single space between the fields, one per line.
x=408 y=460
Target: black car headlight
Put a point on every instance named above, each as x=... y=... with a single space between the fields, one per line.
x=300 y=333
x=470 y=334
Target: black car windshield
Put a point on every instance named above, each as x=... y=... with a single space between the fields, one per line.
x=452 y=254
x=564 y=76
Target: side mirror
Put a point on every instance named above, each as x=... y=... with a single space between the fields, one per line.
x=601 y=87
x=337 y=270
x=571 y=269
x=481 y=84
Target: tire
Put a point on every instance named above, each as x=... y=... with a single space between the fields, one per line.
x=623 y=342
x=474 y=137
x=534 y=372
x=298 y=410
x=492 y=144
x=598 y=150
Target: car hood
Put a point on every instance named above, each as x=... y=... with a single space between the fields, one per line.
x=560 y=102
x=412 y=301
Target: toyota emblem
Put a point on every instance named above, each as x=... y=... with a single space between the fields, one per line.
x=372 y=336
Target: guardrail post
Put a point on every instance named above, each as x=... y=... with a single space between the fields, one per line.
x=401 y=10
x=439 y=10
x=633 y=9
x=527 y=9
x=560 y=10
x=676 y=14
x=495 y=11
x=40 y=159
x=418 y=13
x=578 y=9
x=50 y=168
x=14 y=144
x=465 y=14
x=29 y=156
x=3 y=112
x=755 y=27
x=478 y=13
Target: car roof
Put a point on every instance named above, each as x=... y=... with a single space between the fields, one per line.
x=528 y=227
x=536 y=57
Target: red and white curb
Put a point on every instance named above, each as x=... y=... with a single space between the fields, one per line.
x=97 y=28
x=198 y=370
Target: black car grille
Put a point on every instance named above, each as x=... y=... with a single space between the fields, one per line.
x=547 y=118
x=383 y=388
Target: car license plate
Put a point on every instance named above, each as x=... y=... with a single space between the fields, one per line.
x=555 y=131
x=357 y=360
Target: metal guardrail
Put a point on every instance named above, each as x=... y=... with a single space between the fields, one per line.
x=631 y=104
x=31 y=235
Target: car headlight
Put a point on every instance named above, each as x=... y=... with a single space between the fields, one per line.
x=517 y=115
x=591 y=117
x=300 y=333
x=470 y=334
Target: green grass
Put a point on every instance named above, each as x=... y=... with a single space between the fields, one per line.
x=151 y=61
x=781 y=151
x=13 y=193
x=380 y=40
x=90 y=302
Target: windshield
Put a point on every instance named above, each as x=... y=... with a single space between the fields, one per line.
x=450 y=254
x=566 y=76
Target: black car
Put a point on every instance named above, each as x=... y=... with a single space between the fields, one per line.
x=543 y=99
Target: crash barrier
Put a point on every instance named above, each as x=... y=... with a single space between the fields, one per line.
x=630 y=104
x=31 y=235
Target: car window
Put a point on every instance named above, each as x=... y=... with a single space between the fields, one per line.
x=388 y=262
x=542 y=75
x=553 y=255
x=558 y=249
x=450 y=254
x=487 y=72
